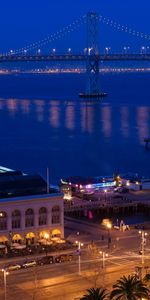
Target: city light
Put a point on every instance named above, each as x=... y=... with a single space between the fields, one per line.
x=104 y=255
x=6 y=273
x=143 y=243
x=79 y=255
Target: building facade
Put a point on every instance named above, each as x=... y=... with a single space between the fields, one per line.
x=29 y=219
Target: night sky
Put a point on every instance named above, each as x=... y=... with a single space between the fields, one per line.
x=23 y=22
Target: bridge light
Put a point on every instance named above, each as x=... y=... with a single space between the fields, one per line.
x=126 y=49
x=69 y=50
x=53 y=50
x=107 y=50
x=39 y=51
x=85 y=50
x=143 y=50
x=89 y=50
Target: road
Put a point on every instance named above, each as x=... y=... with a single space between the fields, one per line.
x=62 y=281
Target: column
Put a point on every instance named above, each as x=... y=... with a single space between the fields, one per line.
x=22 y=220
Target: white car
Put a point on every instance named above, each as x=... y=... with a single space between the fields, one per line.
x=13 y=267
x=29 y=264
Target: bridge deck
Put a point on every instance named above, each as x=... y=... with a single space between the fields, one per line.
x=74 y=57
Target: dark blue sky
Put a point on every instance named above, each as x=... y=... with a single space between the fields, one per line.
x=23 y=22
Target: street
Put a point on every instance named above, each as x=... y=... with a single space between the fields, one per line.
x=63 y=282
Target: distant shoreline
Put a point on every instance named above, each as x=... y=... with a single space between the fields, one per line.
x=73 y=71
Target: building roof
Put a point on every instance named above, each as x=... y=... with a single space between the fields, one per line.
x=15 y=183
x=32 y=197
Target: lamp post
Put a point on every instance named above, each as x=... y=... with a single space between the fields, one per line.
x=143 y=241
x=46 y=236
x=5 y=282
x=79 y=256
x=105 y=192
x=109 y=226
x=104 y=255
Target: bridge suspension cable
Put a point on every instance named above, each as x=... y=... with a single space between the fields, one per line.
x=75 y=25
x=117 y=26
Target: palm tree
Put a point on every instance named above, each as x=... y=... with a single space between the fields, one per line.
x=147 y=278
x=129 y=288
x=95 y=294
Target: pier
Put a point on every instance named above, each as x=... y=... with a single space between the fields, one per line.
x=130 y=203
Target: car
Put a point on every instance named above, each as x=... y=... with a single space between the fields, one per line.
x=63 y=258
x=45 y=260
x=13 y=267
x=29 y=264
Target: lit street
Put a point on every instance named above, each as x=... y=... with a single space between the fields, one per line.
x=62 y=280
x=66 y=284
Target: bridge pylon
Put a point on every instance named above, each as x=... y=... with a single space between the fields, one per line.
x=92 y=58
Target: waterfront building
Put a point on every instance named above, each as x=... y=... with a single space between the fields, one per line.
x=28 y=213
x=86 y=184
x=134 y=182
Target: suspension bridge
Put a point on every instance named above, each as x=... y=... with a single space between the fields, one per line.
x=91 y=57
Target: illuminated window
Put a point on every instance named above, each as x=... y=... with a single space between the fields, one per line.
x=3 y=220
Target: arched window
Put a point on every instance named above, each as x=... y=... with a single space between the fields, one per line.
x=3 y=220
x=55 y=215
x=29 y=217
x=16 y=219
x=42 y=216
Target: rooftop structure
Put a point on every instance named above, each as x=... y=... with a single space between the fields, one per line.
x=16 y=183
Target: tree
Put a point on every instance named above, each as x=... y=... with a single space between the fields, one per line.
x=147 y=278
x=129 y=288
x=95 y=294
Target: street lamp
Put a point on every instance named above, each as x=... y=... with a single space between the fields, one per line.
x=109 y=226
x=79 y=256
x=143 y=242
x=5 y=282
x=46 y=236
x=104 y=255
x=105 y=192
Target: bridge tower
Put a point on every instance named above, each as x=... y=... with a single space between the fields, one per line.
x=92 y=58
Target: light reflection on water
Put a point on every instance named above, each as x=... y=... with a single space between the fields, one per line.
x=82 y=113
x=75 y=137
